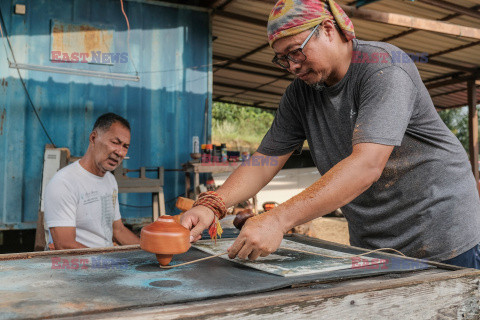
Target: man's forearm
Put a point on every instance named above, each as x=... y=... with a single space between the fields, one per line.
x=125 y=237
x=339 y=186
x=65 y=238
x=68 y=245
x=249 y=178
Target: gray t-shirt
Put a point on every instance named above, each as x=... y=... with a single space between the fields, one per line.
x=425 y=203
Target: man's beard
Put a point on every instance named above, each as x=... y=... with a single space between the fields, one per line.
x=319 y=86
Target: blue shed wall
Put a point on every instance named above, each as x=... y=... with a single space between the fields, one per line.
x=171 y=49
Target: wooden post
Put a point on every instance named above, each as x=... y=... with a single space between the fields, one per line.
x=473 y=127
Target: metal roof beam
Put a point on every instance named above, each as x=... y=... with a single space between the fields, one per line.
x=243 y=104
x=465 y=46
x=443 y=76
x=453 y=81
x=384 y=17
x=220 y=5
x=243 y=56
x=454 y=106
x=447 y=93
x=232 y=86
x=256 y=73
x=249 y=64
x=239 y=17
x=407 y=32
x=262 y=85
x=452 y=66
x=443 y=64
x=412 y=22
x=452 y=7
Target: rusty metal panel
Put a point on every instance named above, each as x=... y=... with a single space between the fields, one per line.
x=169 y=49
x=72 y=39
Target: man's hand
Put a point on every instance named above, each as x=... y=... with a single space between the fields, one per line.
x=196 y=220
x=260 y=236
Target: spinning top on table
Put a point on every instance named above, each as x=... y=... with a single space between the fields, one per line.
x=242 y=217
x=165 y=237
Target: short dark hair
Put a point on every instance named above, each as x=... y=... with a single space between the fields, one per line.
x=105 y=121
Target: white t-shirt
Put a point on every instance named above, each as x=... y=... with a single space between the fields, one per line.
x=77 y=198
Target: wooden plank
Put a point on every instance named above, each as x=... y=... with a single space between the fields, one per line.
x=412 y=22
x=384 y=17
x=427 y=296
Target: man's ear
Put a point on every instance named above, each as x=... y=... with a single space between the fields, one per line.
x=328 y=27
x=93 y=136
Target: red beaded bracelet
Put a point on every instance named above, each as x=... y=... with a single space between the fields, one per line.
x=214 y=202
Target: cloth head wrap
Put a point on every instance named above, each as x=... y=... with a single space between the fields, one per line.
x=290 y=17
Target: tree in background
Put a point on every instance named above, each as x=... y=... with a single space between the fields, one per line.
x=239 y=127
x=457 y=121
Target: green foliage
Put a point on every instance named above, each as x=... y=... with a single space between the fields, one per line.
x=239 y=127
x=457 y=121
x=244 y=127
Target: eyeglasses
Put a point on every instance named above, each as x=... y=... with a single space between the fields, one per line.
x=296 y=55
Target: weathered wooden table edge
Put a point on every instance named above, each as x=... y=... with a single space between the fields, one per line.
x=444 y=295
x=419 y=295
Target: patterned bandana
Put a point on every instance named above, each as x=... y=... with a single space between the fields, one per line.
x=290 y=17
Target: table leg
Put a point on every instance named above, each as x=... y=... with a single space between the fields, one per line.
x=187 y=184
x=196 y=183
x=155 y=206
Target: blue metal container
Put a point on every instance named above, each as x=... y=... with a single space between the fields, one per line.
x=170 y=52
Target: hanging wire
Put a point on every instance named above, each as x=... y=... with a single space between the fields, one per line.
x=128 y=38
x=20 y=76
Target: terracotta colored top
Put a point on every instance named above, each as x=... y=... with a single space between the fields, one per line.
x=165 y=236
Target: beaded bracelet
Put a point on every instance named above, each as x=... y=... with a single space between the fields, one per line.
x=214 y=202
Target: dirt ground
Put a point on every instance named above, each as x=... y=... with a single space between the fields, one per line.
x=326 y=228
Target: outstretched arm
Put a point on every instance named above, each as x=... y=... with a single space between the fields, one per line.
x=242 y=184
x=262 y=234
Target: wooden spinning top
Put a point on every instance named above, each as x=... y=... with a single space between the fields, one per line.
x=242 y=217
x=165 y=237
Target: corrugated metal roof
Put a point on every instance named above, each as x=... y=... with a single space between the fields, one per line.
x=249 y=77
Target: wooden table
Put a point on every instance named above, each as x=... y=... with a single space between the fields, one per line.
x=195 y=168
x=138 y=289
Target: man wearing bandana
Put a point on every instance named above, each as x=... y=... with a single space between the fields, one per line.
x=401 y=177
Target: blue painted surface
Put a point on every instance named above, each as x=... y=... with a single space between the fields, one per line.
x=165 y=108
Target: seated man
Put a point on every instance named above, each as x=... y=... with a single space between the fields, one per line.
x=81 y=200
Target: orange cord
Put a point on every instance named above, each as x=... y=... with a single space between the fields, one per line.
x=126 y=18
x=128 y=36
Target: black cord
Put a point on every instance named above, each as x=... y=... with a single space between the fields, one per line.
x=21 y=79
